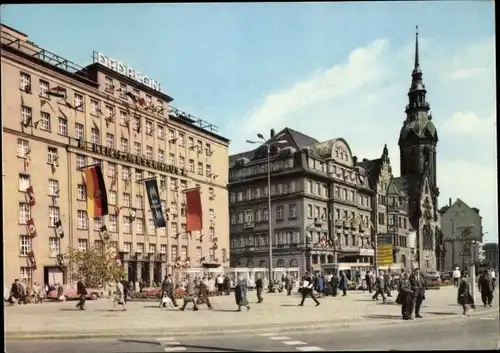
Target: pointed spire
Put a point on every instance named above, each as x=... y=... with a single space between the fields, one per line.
x=417 y=59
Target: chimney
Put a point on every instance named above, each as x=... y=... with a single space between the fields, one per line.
x=449 y=202
x=355 y=160
x=272 y=133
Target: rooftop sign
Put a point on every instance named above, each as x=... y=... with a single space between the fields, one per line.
x=124 y=70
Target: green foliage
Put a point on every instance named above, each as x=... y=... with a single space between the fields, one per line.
x=97 y=265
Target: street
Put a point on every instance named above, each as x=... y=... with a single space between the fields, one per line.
x=464 y=333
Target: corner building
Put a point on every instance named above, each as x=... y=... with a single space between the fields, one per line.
x=100 y=117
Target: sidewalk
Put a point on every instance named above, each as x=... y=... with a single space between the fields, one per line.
x=146 y=318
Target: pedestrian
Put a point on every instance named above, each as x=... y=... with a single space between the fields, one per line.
x=465 y=298
x=380 y=287
x=289 y=284
x=259 y=287
x=227 y=285
x=343 y=283
x=240 y=293
x=493 y=278
x=15 y=293
x=485 y=285
x=418 y=286
x=456 y=277
x=82 y=292
x=405 y=297
x=320 y=283
x=126 y=290
x=189 y=294
x=203 y=297
x=335 y=284
x=388 y=282
x=368 y=280
x=307 y=290
x=120 y=295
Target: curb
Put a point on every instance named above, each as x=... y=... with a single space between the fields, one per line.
x=312 y=325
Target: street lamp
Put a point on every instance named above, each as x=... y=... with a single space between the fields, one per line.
x=269 y=143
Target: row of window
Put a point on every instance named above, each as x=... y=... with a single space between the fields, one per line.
x=44 y=122
x=393 y=220
x=25 y=246
x=112 y=225
x=239 y=173
x=257 y=193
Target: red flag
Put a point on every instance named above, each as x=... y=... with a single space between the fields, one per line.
x=30 y=260
x=31 y=227
x=31 y=196
x=194 y=219
x=142 y=101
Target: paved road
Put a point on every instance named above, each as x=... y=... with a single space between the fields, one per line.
x=467 y=333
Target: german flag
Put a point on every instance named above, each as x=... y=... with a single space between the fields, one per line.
x=97 y=199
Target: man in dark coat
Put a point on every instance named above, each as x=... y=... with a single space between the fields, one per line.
x=343 y=283
x=368 y=280
x=387 y=282
x=307 y=290
x=405 y=297
x=259 y=287
x=189 y=294
x=126 y=291
x=485 y=285
x=335 y=284
x=82 y=292
x=15 y=292
x=380 y=287
x=203 y=294
x=418 y=285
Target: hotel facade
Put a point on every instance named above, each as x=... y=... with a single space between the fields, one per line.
x=58 y=118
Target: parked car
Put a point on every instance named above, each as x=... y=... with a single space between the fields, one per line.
x=69 y=292
x=433 y=278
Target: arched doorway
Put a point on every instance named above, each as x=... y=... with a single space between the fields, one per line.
x=262 y=263
x=330 y=259
x=294 y=263
x=238 y=264
x=250 y=263
x=281 y=263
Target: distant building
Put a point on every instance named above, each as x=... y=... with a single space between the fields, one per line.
x=460 y=224
x=491 y=255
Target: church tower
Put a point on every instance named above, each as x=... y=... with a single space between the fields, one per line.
x=418 y=138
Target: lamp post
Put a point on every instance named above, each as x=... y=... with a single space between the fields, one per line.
x=268 y=143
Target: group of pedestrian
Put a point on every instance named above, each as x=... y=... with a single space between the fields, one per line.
x=411 y=294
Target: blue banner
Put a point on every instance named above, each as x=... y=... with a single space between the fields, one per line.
x=154 y=203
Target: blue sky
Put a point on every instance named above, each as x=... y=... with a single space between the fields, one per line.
x=327 y=69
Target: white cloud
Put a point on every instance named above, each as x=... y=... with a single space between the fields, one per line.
x=467 y=73
x=363 y=98
x=468 y=123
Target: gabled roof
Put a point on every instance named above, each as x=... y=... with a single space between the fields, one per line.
x=301 y=140
x=372 y=168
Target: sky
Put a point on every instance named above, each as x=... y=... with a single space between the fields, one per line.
x=326 y=69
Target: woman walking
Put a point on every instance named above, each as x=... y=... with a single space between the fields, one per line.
x=464 y=296
x=240 y=293
x=120 y=296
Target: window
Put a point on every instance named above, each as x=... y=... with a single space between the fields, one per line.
x=112 y=222
x=24 y=245
x=316 y=212
x=25 y=82
x=182 y=139
x=211 y=233
x=109 y=113
x=53 y=246
x=123 y=90
x=182 y=162
x=309 y=186
x=95 y=136
x=149 y=152
x=309 y=211
x=279 y=212
x=292 y=211
x=127 y=246
x=149 y=127
x=24 y=182
x=82 y=244
x=79 y=132
x=26 y=115
x=161 y=156
x=191 y=166
x=63 y=127
x=54 y=216
x=126 y=224
x=108 y=84
x=94 y=107
x=126 y=200
x=98 y=223
x=53 y=187
x=139 y=225
x=293 y=186
x=138 y=176
x=183 y=185
x=344 y=194
x=126 y=173
x=381 y=218
x=79 y=102
x=137 y=148
x=24 y=273
x=200 y=168
x=152 y=248
x=138 y=201
x=24 y=213
x=124 y=144
x=22 y=148
x=81 y=221
x=265 y=214
x=208 y=149
x=110 y=140
x=81 y=161
x=44 y=123
x=173 y=184
x=111 y=170
x=190 y=142
x=151 y=226
x=44 y=87
x=208 y=170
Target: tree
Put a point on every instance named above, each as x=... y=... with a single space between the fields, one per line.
x=98 y=265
